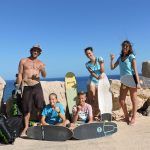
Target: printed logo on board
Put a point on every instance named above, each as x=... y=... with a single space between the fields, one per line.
x=99 y=129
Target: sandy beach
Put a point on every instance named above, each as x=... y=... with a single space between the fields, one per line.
x=135 y=137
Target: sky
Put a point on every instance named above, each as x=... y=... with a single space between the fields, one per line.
x=64 y=28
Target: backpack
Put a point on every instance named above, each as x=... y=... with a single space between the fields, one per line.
x=16 y=124
x=10 y=128
x=7 y=136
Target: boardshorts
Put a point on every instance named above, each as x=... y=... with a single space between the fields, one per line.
x=32 y=96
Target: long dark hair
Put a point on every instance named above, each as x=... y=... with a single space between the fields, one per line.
x=126 y=42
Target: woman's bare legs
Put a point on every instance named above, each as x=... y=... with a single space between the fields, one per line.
x=91 y=93
x=93 y=98
x=123 y=93
x=133 y=94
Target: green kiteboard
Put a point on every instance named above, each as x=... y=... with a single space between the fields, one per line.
x=71 y=91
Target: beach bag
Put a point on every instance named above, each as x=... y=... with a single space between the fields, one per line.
x=7 y=135
x=15 y=124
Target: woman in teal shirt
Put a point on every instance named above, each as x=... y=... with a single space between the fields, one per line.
x=127 y=65
x=95 y=66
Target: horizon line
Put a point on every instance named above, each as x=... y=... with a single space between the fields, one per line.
x=63 y=77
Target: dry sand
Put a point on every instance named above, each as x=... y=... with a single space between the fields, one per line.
x=135 y=137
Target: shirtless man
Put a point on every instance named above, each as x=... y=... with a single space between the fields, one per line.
x=29 y=72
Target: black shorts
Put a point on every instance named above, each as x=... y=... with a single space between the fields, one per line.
x=32 y=95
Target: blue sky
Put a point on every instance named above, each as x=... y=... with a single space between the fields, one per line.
x=64 y=28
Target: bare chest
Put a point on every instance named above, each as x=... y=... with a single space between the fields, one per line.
x=32 y=65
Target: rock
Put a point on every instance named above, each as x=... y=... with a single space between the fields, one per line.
x=145 y=109
x=148 y=111
x=9 y=104
x=2 y=86
x=116 y=105
x=146 y=69
x=58 y=87
x=1 y=96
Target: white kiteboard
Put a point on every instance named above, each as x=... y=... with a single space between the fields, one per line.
x=105 y=98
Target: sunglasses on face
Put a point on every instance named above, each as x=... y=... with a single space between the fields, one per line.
x=36 y=51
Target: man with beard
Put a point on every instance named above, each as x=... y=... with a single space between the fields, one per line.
x=29 y=72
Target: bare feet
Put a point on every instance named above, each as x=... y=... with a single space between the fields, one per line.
x=125 y=120
x=132 y=121
x=96 y=118
x=72 y=126
x=23 y=134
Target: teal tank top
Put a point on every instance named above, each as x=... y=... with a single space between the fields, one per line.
x=95 y=68
x=126 y=65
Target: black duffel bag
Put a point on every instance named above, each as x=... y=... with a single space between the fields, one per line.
x=7 y=136
x=10 y=128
